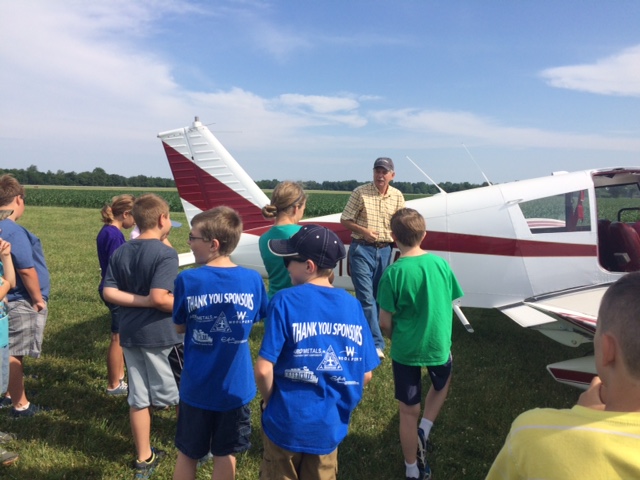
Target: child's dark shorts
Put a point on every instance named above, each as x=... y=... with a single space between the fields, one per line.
x=223 y=433
x=408 y=380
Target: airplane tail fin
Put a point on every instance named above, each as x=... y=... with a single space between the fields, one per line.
x=207 y=176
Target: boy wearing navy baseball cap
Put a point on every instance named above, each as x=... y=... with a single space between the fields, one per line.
x=317 y=354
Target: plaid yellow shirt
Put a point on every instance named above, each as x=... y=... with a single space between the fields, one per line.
x=371 y=210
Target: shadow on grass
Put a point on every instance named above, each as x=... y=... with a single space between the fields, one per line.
x=69 y=381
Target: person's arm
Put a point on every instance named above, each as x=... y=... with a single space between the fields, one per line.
x=161 y=299
x=125 y=299
x=180 y=329
x=7 y=261
x=9 y=277
x=386 y=322
x=263 y=372
x=31 y=283
x=594 y=396
x=368 y=235
x=367 y=377
x=349 y=215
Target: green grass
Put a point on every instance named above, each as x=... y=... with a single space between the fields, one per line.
x=499 y=371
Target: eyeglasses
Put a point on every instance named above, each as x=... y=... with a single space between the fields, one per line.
x=192 y=238
x=288 y=260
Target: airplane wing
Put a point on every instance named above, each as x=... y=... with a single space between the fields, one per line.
x=568 y=317
x=578 y=308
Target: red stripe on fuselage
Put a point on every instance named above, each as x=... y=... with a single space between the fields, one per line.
x=510 y=247
x=477 y=244
x=205 y=191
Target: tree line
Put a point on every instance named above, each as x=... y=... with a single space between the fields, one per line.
x=98 y=177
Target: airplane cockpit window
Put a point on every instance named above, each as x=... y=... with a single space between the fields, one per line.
x=618 y=208
x=568 y=212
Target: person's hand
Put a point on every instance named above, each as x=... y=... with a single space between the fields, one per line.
x=370 y=236
x=593 y=397
x=39 y=306
x=5 y=248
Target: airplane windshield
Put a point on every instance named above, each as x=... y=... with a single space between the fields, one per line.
x=618 y=226
x=568 y=212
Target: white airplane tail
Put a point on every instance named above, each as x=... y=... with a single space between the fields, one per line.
x=207 y=176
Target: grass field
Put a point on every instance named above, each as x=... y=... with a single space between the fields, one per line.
x=499 y=371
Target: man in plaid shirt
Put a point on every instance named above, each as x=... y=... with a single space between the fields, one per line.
x=368 y=215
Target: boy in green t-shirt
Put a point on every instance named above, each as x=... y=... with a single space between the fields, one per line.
x=415 y=297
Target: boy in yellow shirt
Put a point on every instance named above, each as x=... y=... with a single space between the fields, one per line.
x=600 y=436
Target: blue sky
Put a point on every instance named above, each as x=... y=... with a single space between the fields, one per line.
x=317 y=90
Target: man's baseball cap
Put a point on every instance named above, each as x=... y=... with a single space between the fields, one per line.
x=384 y=162
x=311 y=242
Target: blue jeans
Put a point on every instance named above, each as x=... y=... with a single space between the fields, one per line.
x=366 y=265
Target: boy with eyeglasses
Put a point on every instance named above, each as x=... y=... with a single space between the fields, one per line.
x=317 y=354
x=215 y=306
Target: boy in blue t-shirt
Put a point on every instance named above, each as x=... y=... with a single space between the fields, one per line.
x=7 y=282
x=415 y=296
x=28 y=300
x=215 y=306
x=317 y=354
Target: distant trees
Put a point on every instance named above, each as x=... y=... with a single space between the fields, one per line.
x=100 y=178
x=96 y=178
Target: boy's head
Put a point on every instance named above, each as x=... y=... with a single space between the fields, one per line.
x=311 y=242
x=147 y=210
x=619 y=317
x=10 y=188
x=220 y=223
x=408 y=227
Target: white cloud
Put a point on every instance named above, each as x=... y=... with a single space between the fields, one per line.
x=327 y=110
x=618 y=74
x=466 y=125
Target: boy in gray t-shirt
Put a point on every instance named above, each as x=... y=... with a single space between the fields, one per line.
x=140 y=279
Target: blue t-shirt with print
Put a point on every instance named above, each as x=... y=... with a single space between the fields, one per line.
x=219 y=307
x=321 y=346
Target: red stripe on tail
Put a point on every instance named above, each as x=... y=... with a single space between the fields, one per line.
x=205 y=191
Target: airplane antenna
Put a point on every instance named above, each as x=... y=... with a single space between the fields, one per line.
x=422 y=171
x=476 y=164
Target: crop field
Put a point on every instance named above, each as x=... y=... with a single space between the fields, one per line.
x=319 y=203
x=499 y=371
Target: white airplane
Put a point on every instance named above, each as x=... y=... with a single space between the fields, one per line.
x=542 y=251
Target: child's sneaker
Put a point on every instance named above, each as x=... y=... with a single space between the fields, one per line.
x=121 y=389
x=145 y=469
x=7 y=458
x=206 y=459
x=30 y=411
x=424 y=446
x=426 y=473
